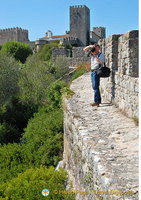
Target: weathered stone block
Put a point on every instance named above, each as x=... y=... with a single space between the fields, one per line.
x=133 y=34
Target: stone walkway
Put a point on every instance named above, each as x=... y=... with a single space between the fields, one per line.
x=109 y=133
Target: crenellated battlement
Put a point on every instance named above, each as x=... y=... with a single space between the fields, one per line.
x=14 y=29
x=69 y=38
x=78 y=7
x=99 y=27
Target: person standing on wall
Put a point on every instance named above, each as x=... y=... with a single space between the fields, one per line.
x=97 y=60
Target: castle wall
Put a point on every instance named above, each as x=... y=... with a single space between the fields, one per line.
x=121 y=56
x=100 y=31
x=100 y=147
x=22 y=35
x=13 y=34
x=80 y=24
x=77 y=53
x=101 y=144
x=60 y=52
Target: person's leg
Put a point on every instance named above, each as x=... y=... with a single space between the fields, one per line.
x=95 y=85
x=97 y=91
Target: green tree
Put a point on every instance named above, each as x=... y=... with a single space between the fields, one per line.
x=41 y=144
x=14 y=159
x=35 y=81
x=19 y=50
x=9 y=74
x=29 y=185
x=13 y=119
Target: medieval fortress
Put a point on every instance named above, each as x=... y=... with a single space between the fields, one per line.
x=79 y=34
x=121 y=55
x=101 y=145
x=16 y=34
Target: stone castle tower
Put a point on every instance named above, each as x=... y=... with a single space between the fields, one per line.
x=100 y=31
x=80 y=24
x=16 y=34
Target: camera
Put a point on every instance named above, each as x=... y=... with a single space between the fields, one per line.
x=93 y=49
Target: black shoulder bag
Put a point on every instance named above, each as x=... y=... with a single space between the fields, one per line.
x=104 y=71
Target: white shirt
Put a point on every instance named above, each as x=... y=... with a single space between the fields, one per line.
x=94 y=63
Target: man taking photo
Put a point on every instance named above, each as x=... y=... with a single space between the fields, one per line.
x=97 y=60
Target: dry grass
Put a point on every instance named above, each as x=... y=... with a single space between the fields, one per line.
x=86 y=66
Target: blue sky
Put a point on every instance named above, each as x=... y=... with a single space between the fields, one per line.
x=118 y=16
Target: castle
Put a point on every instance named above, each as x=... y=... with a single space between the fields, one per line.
x=15 y=34
x=79 y=33
x=100 y=145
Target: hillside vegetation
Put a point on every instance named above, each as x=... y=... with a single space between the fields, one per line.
x=31 y=122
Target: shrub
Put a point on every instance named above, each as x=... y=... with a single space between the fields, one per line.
x=44 y=136
x=46 y=52
x=19 y=50
x=55 y=94
x=61 y=66
x=29 y=185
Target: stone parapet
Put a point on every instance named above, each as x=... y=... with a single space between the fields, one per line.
x=128 y=54
x=121 y=56
x=123 y=93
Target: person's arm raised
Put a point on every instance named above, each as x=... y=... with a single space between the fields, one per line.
x=86 y=49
